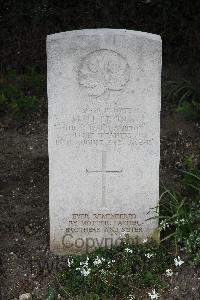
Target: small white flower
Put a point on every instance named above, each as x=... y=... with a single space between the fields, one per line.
x=176 y=288
x=69 y=262
x=98 y=261
x=84 y=263
x=131 y=297
x=128 y=250
x=149 y=255
x=178 y=262
x=169 y=272
x=103 y=276
x=85 y=272
x=109 y=262
x=182 y=221
x=145 y=241
x=164 y=224
x=153 y=295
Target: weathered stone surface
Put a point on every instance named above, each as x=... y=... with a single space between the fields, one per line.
x=104 y=136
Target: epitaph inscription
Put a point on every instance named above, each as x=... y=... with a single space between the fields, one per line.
x=114 y=228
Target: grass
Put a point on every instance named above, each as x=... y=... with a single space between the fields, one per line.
x=20 y=95
x=186 y=95
x=180 y=215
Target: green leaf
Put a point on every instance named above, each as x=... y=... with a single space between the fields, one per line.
x=50 y=295
x=185 y=107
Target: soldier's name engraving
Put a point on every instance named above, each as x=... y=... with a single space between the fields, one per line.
x=108 y=126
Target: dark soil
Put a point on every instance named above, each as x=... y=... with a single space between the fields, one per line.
x=26 y=262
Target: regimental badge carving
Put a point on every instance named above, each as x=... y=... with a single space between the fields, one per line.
x=103 y=71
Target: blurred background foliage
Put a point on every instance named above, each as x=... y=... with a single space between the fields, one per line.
x=25 y=24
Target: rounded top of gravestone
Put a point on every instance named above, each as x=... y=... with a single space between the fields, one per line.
x=103 y=31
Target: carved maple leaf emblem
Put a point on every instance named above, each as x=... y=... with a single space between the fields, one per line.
x=103 y=70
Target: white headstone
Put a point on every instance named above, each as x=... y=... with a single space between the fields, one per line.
x=104 y=137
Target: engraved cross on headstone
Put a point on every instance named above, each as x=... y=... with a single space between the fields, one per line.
x=104 y=172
